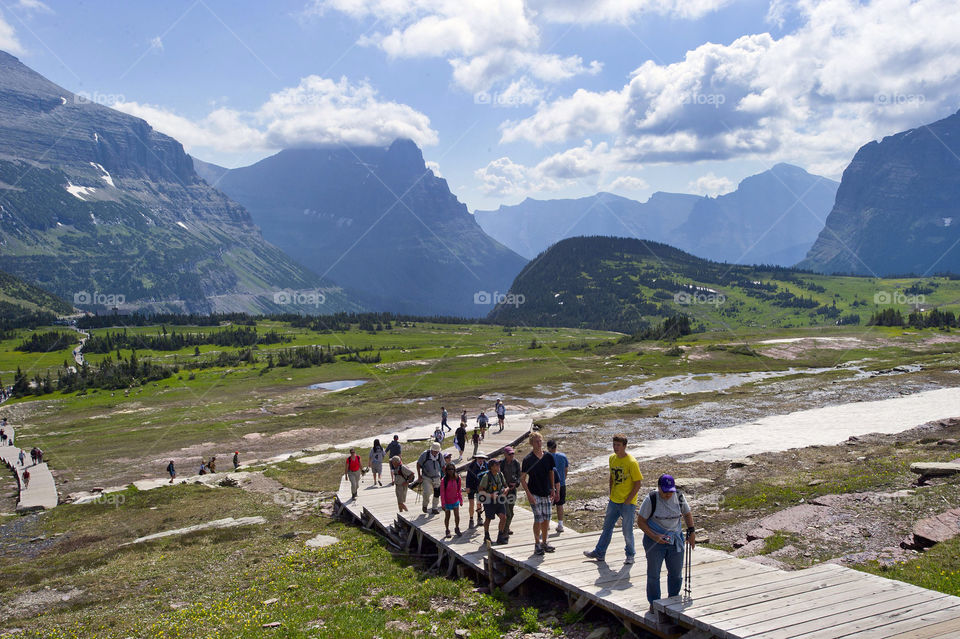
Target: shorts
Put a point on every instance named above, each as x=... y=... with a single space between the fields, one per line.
x=452 y=506
x=471 y=493
x=563 y=496
x=492 y=510
x=377 y=467
x=401 y=488
x=541 y=508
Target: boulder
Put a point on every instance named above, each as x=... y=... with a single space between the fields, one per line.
x=937 y=529
x=691 y=484
x=933 y=469
x=741 y=463
x=796 y=519
x=751 y=548
x=759 y=533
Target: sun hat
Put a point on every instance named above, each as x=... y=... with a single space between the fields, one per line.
x=435 y=447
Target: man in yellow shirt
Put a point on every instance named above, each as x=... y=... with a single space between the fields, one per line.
x=625 y=480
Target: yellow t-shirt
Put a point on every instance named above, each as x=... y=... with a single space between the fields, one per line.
x=625 y=471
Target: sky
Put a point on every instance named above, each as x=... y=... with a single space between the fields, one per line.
x=514 y=98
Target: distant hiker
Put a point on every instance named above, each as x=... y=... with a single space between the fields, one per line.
x=203 y=467
x=443 y=418
x=474 y=470
x=21 y=457
x=33 y=455
x=212 y=464
x=438 y=435
x=492 y=495
x=482 y=422
x=377 y=455
x=352 y=472
x=394 y=450
x=625 y=479
x=501 y=413
x=429 y=470
x=404 y=477
x=460 y=440
x=39 y=455
x=511 y=474
x=3 y=437
x=663 y=540
x=463 y=417
x=26 y=478
x=451 y=496
x=475 y=440
x=539 y=483
x=172 y=471
x=560 y=470
x=236 y=460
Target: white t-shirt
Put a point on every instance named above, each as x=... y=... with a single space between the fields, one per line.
x=668 y=512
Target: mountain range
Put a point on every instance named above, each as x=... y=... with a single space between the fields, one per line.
x=97 y=207
x=771 y=218
x=377 y=221
x=898 y=207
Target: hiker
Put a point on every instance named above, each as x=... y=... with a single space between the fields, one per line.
x=474 y=469
x=203 y=467
x=560 y=470
x=443 y=419
x=625 y=480
x=438 y=435
x=539 y=483
x=26 y=478
x=21 y=457
x=377 y=455
x=482 y=422
x=460 y=440
x=394 y=449
x=3 y=437
x=39 y=455
x=451 y=497
x=492 y=489
x=475 y=440
x=352 y=472
x=511 y=474
x=236 y=460
x=429 y=471
x=172 y=471
x=33 y=456
x=501 y=411
x=663 y=540
x=463 y=417
x=213 y=464
x=404 y=477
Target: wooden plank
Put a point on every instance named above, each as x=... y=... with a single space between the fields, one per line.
x=516 y=580
x=949 y=628
x=886 y=624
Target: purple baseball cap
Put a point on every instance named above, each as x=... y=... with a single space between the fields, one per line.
x=667 y=484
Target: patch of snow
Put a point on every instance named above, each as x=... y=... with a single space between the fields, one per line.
x=106 y=177
x=63 y=100
x=80 y=191
x=321 y=540
x=947 y=221
x=96 y=138
x=228 y=522
x=182 y=225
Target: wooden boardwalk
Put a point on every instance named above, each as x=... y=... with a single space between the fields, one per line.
x=42 y=491
x=732 y=598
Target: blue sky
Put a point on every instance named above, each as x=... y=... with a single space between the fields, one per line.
x=514 y=98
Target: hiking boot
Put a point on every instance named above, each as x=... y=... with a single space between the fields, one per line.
x=456 y=532
x=559 y=526
x=538 y=550
x=424 y=510
x=501 y=540
x=548 y=548
x=592 y=554
x=471 y=524
x=435 y=511
x=448 y=535
x=628 y=559
x=486 y=540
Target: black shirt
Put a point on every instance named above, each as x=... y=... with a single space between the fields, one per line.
x=393 y=448
x=461 y=436
x=538 y=473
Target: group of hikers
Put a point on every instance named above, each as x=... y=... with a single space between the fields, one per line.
x=479 y=431
x=206 y=467
x=492 y=485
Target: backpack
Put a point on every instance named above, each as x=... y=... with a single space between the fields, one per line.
x=653 y=501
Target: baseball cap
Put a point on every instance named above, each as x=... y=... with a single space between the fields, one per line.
x=667 y=484
x=508 y=450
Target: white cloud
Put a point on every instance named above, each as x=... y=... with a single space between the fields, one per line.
x=435 y=167
x=711 y=185
x=627 y=183
x=317 y=112
x=156 y=44
x=503 y=177
x=581 y=11
x=853 y=71
x=33 y=5
x=585 y=165
x=8 y=38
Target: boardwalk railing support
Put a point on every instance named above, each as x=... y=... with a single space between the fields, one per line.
x=516 y=580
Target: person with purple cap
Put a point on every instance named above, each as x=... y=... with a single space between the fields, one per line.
x=663 y=540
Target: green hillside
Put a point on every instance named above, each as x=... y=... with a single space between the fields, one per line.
x=23 y=304
x=627 y=284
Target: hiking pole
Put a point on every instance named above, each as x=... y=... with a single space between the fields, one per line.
x=687 y=573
